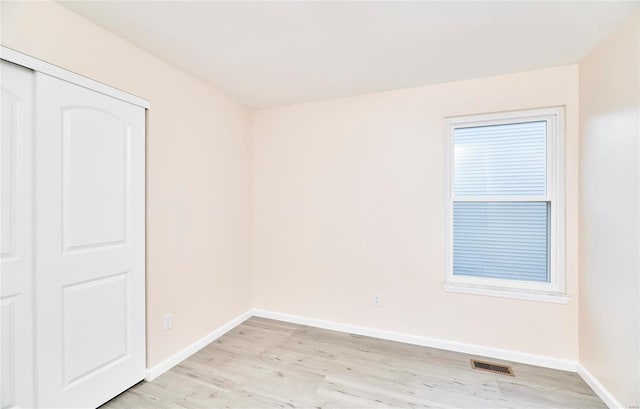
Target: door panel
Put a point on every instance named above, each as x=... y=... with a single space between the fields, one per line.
x=90 y=244
x=87 y=189
x=16 y=255
x=94 y=313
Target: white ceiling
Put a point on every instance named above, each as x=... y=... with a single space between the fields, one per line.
x=266 y=54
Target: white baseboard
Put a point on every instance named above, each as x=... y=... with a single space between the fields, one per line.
x=479 y=350
x=164 y=366
x=598 y=388
x=504 y=354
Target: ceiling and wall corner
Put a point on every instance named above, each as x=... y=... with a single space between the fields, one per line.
x=268 y=54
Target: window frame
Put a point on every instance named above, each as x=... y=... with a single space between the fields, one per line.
x=555 y=289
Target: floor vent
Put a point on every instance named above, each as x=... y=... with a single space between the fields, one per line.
x=495 y=368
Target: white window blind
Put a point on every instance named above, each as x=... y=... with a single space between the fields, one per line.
x=501 y=240
x=501 y=160
x=503 y=236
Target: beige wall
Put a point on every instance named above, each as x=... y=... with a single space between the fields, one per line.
x=349 y=200
x=609 y=213
x=198 y=189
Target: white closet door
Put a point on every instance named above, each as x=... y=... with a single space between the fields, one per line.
x=90 y=244
x=16 y=256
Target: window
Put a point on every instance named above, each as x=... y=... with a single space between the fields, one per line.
x=505 y=218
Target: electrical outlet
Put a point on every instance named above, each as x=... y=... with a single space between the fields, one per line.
x=168 y=321
x=377 y=299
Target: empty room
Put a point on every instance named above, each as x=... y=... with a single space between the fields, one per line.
x=320 y=204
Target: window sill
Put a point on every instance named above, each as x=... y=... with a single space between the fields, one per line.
x=557 y=298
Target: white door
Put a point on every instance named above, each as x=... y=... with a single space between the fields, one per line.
x=16 y=256
x=90 y=285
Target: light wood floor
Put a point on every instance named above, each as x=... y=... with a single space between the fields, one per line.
x=271 y=364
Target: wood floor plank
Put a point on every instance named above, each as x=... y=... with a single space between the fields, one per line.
x=270 y=364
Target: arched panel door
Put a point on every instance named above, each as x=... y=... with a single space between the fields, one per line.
x=90 y=282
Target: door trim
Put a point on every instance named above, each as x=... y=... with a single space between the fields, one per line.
x=38 y=65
